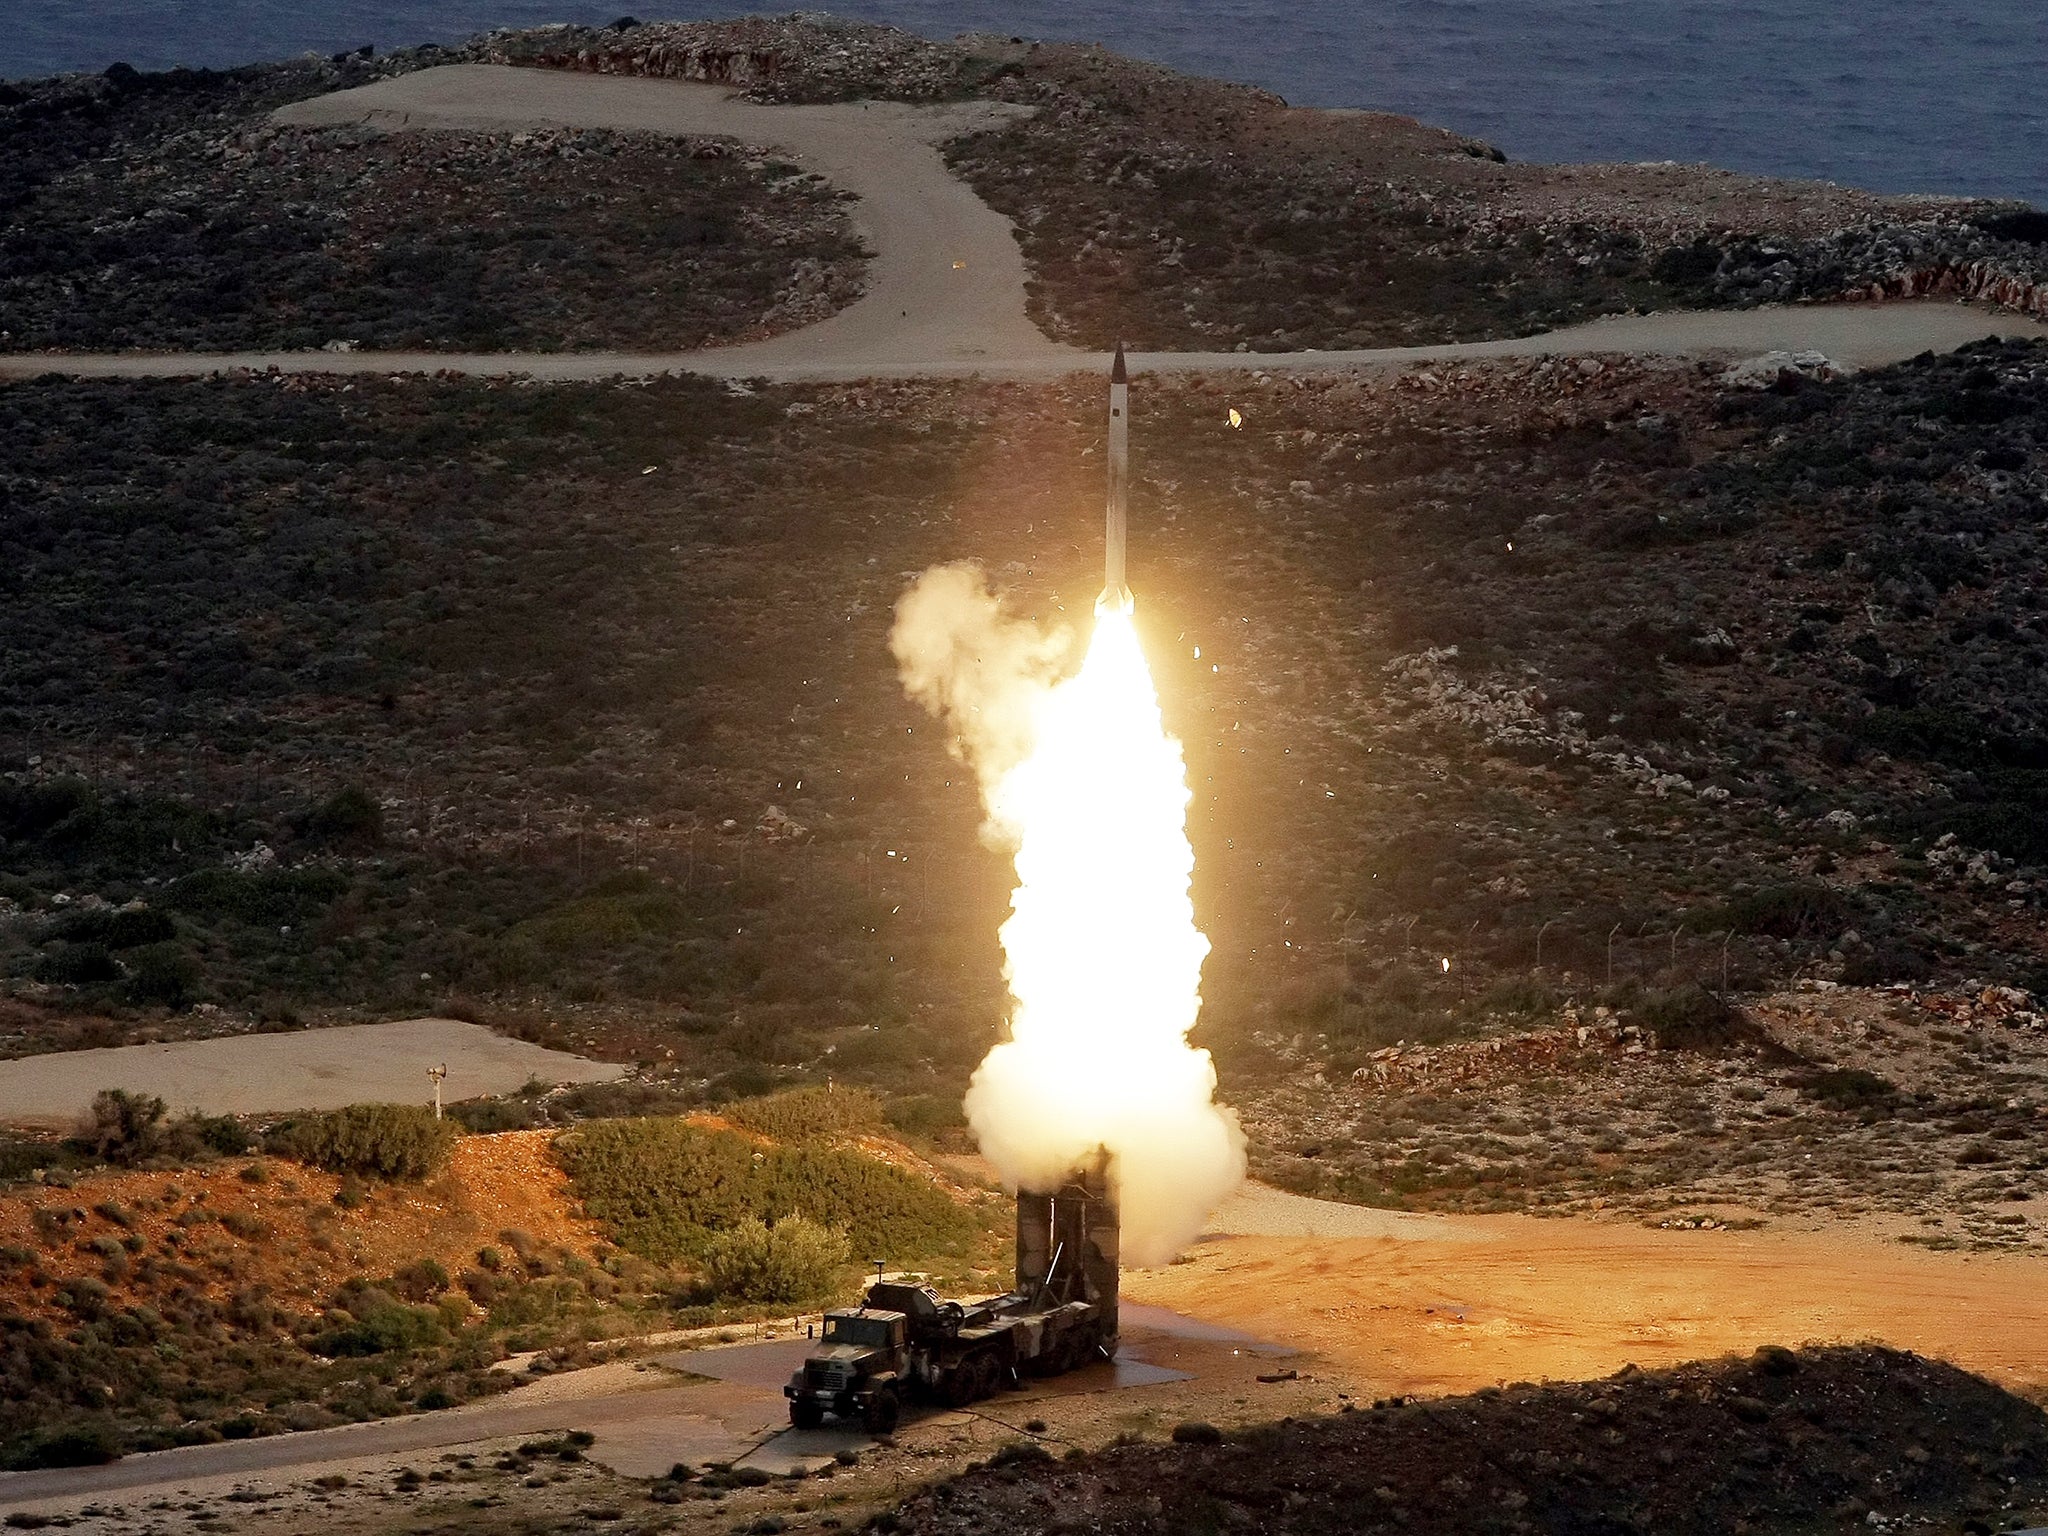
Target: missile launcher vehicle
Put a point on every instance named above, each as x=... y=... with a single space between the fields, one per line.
x=904 y=1343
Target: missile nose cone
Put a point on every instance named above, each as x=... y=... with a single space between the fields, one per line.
x=1117 y=373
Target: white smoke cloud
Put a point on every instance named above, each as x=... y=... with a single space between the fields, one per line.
x=979 y=668
x=1085 y=788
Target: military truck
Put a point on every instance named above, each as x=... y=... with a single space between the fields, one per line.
x=904 y=1343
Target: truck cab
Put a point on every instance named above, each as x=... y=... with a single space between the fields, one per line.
x=856 y=1370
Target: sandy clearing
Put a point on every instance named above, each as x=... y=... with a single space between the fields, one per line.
x=1447 y=1303
x=311 y=1069
x=1259 y=1210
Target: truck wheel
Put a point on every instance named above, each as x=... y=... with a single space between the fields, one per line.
x=805 y=1412
x=956 y=1387
x=1074 y=1352
x=880 y=1415
x=988 y=1376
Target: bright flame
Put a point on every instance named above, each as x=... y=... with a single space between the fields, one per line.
x=1104 y=960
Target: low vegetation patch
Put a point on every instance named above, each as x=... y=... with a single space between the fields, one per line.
x=664 y=1189
x=791 y=1260
x=164 y=209
x=825 y=1113
x=391 y=1141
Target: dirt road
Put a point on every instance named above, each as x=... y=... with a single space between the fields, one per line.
x=1443 y=1304
x=1854 y=335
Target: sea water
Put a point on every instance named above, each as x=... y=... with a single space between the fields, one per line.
x=1893 y=95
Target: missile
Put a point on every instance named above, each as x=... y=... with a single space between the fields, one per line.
x=1115 y=593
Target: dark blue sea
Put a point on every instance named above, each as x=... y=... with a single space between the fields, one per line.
x=1894 y=95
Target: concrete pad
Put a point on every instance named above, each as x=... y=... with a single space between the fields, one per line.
x=767 y=1365
x=306 y=1069
x=1136 y=1315
x=1127 y=1370
x=804 y=1450
x=650 y=1445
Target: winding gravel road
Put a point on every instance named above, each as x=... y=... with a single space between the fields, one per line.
x=945 y=287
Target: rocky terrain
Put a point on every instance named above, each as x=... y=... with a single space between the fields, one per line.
x=1924 y=1109
x=165 y=212
x=1819 y=1440
x=1174 y=212
x=1520 y=688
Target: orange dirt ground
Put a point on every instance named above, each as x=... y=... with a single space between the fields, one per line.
x=1501 y=1299
x=491 y=1184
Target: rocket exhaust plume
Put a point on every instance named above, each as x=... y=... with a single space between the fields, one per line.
x=1102 y=956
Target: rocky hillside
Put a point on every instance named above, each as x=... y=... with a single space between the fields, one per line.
x=1519 y=687
x=165 y=211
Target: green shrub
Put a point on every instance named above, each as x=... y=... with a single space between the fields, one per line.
x=484 y=1117
x=22 y=1157
x=1803 y=910
x=348 y=821
x=421 y=1281
x=84 y=1298
x=194 y=1136
x=115 y=927
x=810 y=1114
x=926 y=1114
x=163 y=974
x=268 y=899
x=1522 y=997
x=86 y=1442
x=1849 y=1088
x=792 y=1261
x=392 y=1141
x=1690 y=1018
x=77 y=965
x=122 y=1127
x=661 y=1187
x=370 y=1321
